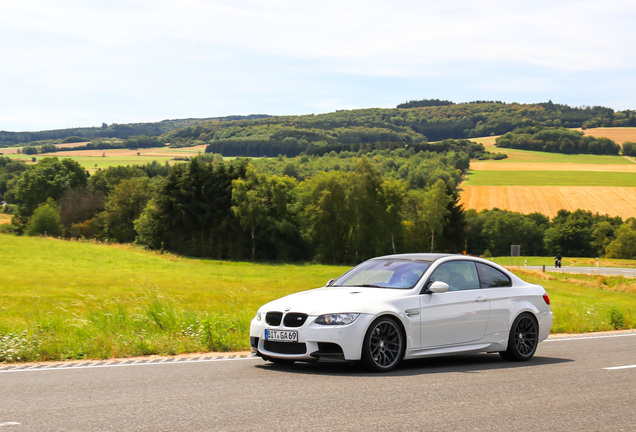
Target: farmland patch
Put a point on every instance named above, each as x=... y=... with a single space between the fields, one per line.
x=548 y=200
x=550 y=178
x=617 y=134
x=528 y=166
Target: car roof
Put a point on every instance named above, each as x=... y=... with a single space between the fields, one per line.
x=417 y=256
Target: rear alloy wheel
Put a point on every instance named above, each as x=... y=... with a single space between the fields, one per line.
x=523 y=339
x=383 y=345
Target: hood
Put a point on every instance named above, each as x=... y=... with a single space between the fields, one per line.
x=331 y=300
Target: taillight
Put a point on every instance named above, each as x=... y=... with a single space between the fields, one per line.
x=546 y=299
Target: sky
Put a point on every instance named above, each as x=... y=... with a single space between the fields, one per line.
x=80 y=63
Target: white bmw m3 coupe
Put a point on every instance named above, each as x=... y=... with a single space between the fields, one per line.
x=403 y=307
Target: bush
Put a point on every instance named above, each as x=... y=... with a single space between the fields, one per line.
x=617 y=319
x=45 y=220
x=629 y=148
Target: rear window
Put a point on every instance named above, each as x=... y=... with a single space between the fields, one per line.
x=490 y=277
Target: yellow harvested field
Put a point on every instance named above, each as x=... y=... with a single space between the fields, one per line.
x=9 y=150
x=529 y=166
x=5 y=218
x=618 y=134
x=548 y=200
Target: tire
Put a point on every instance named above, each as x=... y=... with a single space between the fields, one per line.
x=383 y=346
x=523 y=339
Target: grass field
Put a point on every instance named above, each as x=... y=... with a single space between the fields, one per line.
x=73 y=300
x=627 y=167
x=550 y=178
x=63 y=300
x=529 y=181
x=100 y=159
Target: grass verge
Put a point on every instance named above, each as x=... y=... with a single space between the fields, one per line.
x=64 y=300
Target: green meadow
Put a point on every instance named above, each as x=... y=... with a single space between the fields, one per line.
x=550 y=178
x=528 y=156
x=81 y=300
x=92 y=163
x=73 y=300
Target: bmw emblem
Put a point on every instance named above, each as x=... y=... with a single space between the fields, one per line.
x=288 y=308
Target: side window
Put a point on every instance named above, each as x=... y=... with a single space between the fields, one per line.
x=459 y=275
x=490 y=277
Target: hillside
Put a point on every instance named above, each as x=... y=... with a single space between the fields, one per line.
x=412 y=124
x=114 y=130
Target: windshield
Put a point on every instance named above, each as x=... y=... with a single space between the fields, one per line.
x=390 y=273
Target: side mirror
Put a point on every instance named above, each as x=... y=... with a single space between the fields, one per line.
x=330 y=282
x=439 y=287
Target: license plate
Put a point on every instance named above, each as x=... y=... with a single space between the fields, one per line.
x=281 y=336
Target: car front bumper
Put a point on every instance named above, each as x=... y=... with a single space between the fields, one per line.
x=315 y=341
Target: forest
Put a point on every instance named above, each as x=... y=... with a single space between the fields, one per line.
x=340 y=208
x=419 y=125
x=335 y=188
x=413 y=123
x=558 y=140
x=114 y=130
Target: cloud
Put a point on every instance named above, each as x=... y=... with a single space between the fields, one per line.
x=196 y=57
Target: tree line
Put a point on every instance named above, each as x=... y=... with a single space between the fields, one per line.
x=135 y=142
x=334 y=209
x=558 y=140
x=114 y=130
x=413 y=123
x=576 y=234
x=416 y=124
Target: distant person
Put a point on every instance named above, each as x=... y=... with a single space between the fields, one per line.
x=557 y=260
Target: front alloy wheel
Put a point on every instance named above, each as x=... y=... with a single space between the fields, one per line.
x=383 y=346
x=523 y=339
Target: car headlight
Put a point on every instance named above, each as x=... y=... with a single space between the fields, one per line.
x=337 y=319
x=258 y=316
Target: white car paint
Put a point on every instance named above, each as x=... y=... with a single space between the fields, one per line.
x=467 y=320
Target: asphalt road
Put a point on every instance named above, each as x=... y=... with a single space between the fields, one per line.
x=578 y=384
x=608 y=271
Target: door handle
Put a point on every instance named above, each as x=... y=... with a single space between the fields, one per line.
x=481 y=299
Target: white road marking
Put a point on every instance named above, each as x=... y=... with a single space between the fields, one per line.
x=120 y=363
x=577 y=337
x=9 y=424
x=123 y=362
x=620 y=367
